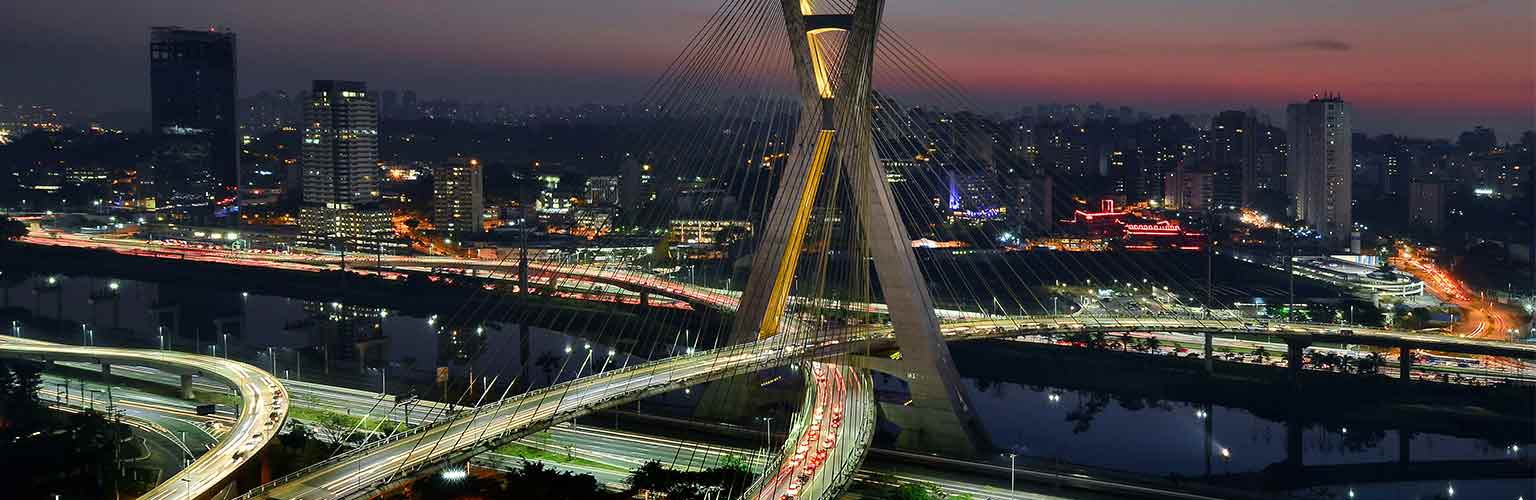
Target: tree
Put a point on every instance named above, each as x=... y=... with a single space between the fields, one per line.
x=546 y=363
x=1262 y=354
x=11 y=229
x=18 y=395
x=728 y=236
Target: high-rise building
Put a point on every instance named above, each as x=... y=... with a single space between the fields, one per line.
x=1318 y=166
x=973 y=196
x=1189 y=189
x=458 y=196
x=603 y=190
x=340 y=157
x=1426 y=205
x=1234 y=144
x=634 y=185
x=192 y=87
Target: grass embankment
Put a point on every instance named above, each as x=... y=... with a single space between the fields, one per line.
x=325 y=418
x=541 y=454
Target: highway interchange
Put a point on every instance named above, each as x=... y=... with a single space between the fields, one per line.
x=517 y=416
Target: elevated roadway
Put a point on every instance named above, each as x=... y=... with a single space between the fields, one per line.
x=828 y=441
x=263 y=407
x=365 y=470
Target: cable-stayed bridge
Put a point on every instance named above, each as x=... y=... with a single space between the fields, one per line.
x=835 y=181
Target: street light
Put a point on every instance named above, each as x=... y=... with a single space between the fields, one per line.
x=768 y=435
x=1011 y=458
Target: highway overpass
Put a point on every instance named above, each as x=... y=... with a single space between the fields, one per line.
x=263 y=406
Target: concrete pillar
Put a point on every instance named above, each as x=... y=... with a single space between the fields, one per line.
x=106 y=371
x=362 y=356
x=1294 y=359
x=266 y=466
x=1210 y=365
x=1404 y=363
x=186 y=386
x=1293 y=443
x=645 y=299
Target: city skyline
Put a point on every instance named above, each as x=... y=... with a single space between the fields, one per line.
x=1133 y=249
x=1412 y=79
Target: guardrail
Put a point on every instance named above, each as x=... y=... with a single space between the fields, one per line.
x=772 y=465
x=855 y=459
x=785 y=350
x=659 y=367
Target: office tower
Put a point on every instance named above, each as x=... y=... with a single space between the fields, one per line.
x=458 y=196
x=634 y=185
x=192 y=88
x=1028 y=192
x=603 y=190
x=340 y=154
x=389 y=105
x=1234 y=144
x=1189 y=189
x=1318 y=166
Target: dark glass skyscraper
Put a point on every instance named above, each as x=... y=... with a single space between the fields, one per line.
x=192 y=82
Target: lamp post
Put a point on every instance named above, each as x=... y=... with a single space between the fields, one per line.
x=768 y=436
x=1012 y=457
x=604 y=369
x=226 y=345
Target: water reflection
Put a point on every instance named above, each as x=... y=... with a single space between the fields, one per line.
x=1233 y=447
x=439 y=355
x=369 y=348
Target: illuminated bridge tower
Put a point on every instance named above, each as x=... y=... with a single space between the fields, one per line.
x=836 y=137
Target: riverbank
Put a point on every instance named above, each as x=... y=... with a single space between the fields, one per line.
x=1499 y=414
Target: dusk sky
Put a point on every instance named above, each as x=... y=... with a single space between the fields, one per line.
x=1419 y=67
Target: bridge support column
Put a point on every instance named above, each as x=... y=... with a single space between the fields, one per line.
x=645 y=299
x=1294 y=358
x=266 y=466
x=186 y=386
x=1210 y=364
x=1293 y=443
x=1405 y=364
x=106 y=371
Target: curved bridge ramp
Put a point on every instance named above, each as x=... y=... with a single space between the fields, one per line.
x=263 y=407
